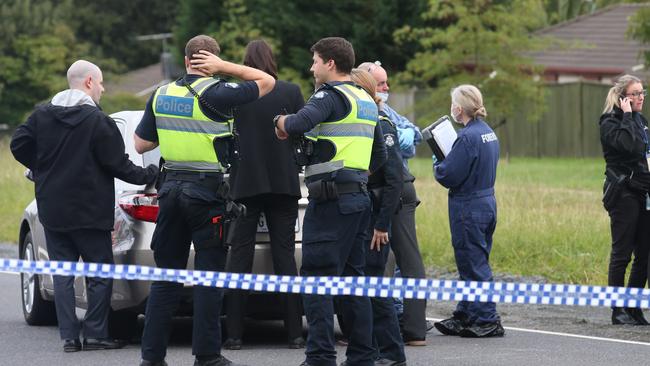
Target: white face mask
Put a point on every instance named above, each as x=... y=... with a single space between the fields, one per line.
x=383 y=96
x=454 y=117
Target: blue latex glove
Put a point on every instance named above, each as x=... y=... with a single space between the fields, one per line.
x=406 y=138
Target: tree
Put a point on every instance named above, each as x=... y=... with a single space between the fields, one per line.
x=639 y=29
x=35 y=51
x=563 y=10
x=481 y=42
x=111 y=27
x=293 y=26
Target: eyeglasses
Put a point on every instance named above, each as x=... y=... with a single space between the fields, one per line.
x=638 y=94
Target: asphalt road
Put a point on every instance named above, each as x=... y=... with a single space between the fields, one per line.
x=264 y=344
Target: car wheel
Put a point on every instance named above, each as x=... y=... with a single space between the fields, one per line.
x=36 y=310
x=122 y=324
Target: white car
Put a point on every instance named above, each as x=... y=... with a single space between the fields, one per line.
x=135 y=215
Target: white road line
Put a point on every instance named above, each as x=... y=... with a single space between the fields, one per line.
x=570 y=335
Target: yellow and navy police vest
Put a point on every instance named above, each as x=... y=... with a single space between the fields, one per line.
x=352 y=135
x=185 y=133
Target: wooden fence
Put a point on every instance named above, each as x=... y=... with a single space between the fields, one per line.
x=568 y=128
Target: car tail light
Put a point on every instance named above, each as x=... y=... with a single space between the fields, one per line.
x=141 y=206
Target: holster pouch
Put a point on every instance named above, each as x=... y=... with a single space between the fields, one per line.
x=322 y=191
x=226 y=150
x=234 y=211
x=614 y=186
x=303 y=149
x=162 y=173
x=375 y=196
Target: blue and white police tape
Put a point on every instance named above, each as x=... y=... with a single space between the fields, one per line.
x=409 y=288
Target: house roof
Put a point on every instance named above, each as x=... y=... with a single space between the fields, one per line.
x=140 y=82
x=607 y=49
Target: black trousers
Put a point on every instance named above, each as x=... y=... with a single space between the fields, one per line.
x=404 y=243
x=386 y=335
x=630 y=227
x=281 y=212
x=190 y=212
x=93 y=246
x=333 y=244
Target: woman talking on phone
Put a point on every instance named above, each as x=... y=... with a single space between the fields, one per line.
x=624 y=137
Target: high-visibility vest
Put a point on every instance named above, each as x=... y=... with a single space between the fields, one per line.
x=185 y=133
x=352 y=135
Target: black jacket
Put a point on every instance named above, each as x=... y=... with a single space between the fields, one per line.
x=386 y=184
x=624 y=140
x=74 y=153
x=267 y=164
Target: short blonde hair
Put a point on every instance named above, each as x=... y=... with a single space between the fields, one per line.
x=469 y=99
x=616 y=91
x=365 y=80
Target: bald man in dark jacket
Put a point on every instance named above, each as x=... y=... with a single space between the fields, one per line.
x=75 y=151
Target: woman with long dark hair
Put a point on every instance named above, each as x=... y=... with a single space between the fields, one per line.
x=624 y=137
x=265 y=179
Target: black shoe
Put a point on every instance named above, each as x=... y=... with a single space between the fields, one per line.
x=71 y=345
x=149 y=363
x=233 y=344
x=483 y=330
x=637 y=315
x=621 y=316
x=387 y=362
x=306 y=364
x=297 y=343
x=214 y=361
x=93 y=344
x=452 y=326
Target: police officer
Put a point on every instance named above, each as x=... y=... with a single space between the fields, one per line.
x=189 y=119
x=624 y=138
x=469 y=171
x=342 y=120
x=404 y=241
x=385 y=187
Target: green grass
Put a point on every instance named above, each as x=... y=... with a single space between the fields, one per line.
x=15 y=193
x=550 y=219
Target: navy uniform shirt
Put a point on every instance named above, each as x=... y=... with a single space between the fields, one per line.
x=223 y=96
x=471 y=165
x=327 y=105
x=389 y=178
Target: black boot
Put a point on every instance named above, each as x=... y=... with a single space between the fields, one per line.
x=620 y=316
x=454 y=325
x=637 y=315
x=483 y=330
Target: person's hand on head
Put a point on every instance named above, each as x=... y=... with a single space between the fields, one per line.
x=206 y=62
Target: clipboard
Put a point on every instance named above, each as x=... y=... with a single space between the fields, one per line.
x=440 y=136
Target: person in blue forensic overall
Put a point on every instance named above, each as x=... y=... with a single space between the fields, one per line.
x=469 y=171
x=404 y=241
x=341 y=119
x=188 y=119
x=385 y=187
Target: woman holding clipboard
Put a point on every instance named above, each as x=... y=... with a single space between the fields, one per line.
x=469 y=171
